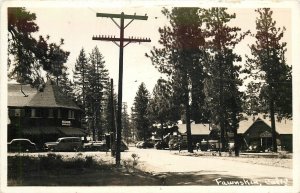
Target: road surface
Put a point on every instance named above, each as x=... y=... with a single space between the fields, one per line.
x=174 y=169
x=208 y=170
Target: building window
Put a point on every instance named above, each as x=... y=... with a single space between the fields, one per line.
x=16 y=112
x=37 y=113
x=50 y=113
x=33 y=113
x=58 y=113
x=71 y=114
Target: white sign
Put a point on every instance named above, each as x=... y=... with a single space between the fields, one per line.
x=66 y=123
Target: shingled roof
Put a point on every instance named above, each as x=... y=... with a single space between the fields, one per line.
x=196 y=129
x=50 y=97
x=18 y=99
x=283 y=127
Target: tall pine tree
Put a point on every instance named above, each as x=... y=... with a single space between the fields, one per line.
x=222 y=95
x=27 y=56
x=139 y=113
x=97 y=80
x=161 y=105
x=181 y=58
x=268 y=66
x=80 y=78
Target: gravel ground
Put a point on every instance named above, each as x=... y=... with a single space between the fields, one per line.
x=247 y=158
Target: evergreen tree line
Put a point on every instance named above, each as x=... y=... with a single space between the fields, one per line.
x=197 y=54
x=204 y=72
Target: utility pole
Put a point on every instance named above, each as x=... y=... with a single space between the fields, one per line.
x=113 y=128
x=125 y=126
x=121 y=41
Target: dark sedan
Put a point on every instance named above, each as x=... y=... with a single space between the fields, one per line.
x=144 y=144
x=21 y=145
x=95 y=146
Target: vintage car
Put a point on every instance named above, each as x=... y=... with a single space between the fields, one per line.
x=144 y=144
x=95 y=146
x=21 y=145
x=64 y=144
x=161 y=145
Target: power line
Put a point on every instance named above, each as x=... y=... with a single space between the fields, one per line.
x=121 y=45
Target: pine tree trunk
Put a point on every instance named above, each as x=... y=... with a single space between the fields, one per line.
x=221 y=110
x=273 y=127
x=188 y=128
x=188 y=121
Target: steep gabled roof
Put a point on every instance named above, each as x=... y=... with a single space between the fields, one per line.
x=196 y=129
x=283 y=127
x=49 y=96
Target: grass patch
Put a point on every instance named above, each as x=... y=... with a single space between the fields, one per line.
x=54 y=170
x=23 y=166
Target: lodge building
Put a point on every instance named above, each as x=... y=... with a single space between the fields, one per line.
x=254 y=131
x=42 y=115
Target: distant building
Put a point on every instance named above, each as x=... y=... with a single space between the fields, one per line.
x=42 y=115
x=253 y=132
x=256 y=132
x=199 y=132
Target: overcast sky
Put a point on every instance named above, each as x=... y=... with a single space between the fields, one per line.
x=77 y=26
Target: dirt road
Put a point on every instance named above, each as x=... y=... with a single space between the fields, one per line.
x=207 y=170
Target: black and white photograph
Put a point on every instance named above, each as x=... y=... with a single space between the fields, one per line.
x=128 y=96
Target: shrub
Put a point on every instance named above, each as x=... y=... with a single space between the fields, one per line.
x=283 y=155
x=135 y=159
x=89 y=161
x=24 y=165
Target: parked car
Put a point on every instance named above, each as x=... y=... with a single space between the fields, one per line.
x=174 y=144
x=64 y=144
x=95 y=146
x=124 y=146
x=161 y=145
x=145 y=144
x=138 y=144
x=21 y=145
